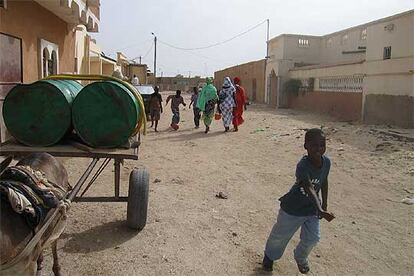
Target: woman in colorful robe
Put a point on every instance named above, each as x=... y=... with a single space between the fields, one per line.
x=226 y=97
x=240 y=99
x=206 y=102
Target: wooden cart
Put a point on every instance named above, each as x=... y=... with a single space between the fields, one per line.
x=137 y=199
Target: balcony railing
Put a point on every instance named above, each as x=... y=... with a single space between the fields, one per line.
x=341 y=84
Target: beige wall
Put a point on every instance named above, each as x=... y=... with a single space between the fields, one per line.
x=389 y=93
x=31 y=22
x=401 y=38
x=82 y=50
x=95 y=66
x=327 y=71
x=140 y=70
x=337 y=50
x=391 y=76
x=249 y=73
x=107 y=68
x=302 y=54
x=276 y=48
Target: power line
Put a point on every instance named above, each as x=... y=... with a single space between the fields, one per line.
x=146 y=54
x=129 y=46
x=215 y=44
x=149 y=50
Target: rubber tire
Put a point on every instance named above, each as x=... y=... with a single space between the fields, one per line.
x=138 y=199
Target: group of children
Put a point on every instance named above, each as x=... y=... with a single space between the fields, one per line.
x=230 y=101
x=301 y=207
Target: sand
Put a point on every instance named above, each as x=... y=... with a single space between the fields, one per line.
x=190 y=231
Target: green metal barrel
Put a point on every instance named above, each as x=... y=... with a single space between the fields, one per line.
x=39 y=114
x=105 y=114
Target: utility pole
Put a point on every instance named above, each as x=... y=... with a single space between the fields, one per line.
x=267 y=39
x=140 y=58
x=155 y=58
x=266 y=87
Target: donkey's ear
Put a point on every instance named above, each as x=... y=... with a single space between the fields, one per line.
x=5 y=163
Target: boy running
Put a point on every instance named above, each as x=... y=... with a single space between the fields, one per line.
x=301 y=206
x=176 y=100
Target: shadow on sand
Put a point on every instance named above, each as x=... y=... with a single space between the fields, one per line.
x=98 y=238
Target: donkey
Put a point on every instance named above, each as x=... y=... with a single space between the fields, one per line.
x=15 y=233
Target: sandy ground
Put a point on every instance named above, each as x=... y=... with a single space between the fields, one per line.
x=191 y=232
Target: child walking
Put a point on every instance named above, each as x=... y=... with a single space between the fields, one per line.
x=301 y=206
x=196 y=110
x=155 y=104
x=176 y=100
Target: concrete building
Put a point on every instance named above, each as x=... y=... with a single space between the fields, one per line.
x=361 y=73
x=252 y=78
x=89 y=58
x=140 y=70
x=179 y=83
x=37 y=38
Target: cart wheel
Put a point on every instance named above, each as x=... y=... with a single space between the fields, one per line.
x=138 y=199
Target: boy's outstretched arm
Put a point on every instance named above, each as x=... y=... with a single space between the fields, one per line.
x=307 y=185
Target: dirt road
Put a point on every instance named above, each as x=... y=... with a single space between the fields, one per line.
x=191 y=232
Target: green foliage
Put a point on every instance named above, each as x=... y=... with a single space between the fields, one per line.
x=292 y=86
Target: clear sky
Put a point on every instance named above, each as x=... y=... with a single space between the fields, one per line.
x=126 y=26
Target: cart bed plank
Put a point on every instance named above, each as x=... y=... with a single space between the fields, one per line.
x=66 y=150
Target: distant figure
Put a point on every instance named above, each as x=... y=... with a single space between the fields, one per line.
x=117 y=74
x=226 y=105
x=206 y=102
x=240 y=99
x=135 y=80
x=301 y=207
x=176 y=100
x=155 y=105
x=196 y=110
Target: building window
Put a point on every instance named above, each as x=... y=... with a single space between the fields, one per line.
x=49 y=58
x=303 y=42
x=329 y=43
x=344 y=39
x=364 y=34
x=387 y=52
